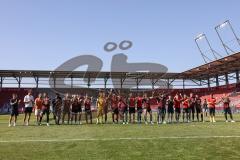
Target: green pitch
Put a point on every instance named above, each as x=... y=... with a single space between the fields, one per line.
x=116 y=141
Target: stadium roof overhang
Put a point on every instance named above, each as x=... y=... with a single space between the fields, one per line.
x=200 y=75
x=220 y=67
x=81 y=74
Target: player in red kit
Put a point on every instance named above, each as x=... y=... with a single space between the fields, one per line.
x=199 y=108
x=186 y=108
x=114 y=106
x=147 y=108
x=87 y=107
x=139 y=100
x=177 y=104
x=227 y=110
x=192 y=105
x=132 y=105
x=211 y=106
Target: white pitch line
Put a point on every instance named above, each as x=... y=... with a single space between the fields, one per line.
x=114 y=139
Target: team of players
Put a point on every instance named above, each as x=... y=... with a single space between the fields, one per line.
x=123 y=108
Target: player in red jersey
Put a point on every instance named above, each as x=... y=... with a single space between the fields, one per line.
x=192 y=105
x=226 y=105
x=38 y=108
x=66 y=108
x=161 y=100
x=114 y=106
x=45 y=108
x=147 y=108
x=139 y=100
x=177 y=104
x=88 y=111
x=132 y=105
x=74 y=109
x=186 y=108
x=211 y=105
x=80 y=104
x=199 y=108
x=123 y=108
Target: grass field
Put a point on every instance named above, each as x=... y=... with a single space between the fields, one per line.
x=220 y=140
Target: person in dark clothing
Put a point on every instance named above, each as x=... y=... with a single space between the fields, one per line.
x=199 y=108
x=170 y=109
x=192 y=105
x=57 y=109
x=88 y=111
x=45 y=108
x=227 y=109
x=14 y=102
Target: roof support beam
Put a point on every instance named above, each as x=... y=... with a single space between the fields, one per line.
x=183 y=84
x=71 y=81
x=194 y=81
x=237 y=76
x=138 y=82
x=154 y=81
x=1 y=82
x=217 y=81
x=122 y=81
x=36 y=80
x=18 y=79
x=226 y=79
x=168 y=84
x=105 y=82
x=88 y=82
x=208 y=82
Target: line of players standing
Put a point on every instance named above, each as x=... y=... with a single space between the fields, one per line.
x=122 y=107
x=70 y=106
x=189 y=107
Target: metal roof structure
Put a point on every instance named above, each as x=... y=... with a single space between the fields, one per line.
x=200 y=76
x=220 y=67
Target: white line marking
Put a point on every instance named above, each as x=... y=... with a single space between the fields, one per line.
x=114 y=139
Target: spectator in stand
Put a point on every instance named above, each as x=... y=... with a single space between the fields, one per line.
x=14 y=102
x=28 y=101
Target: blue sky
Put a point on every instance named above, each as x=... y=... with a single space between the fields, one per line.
x=43 y=34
